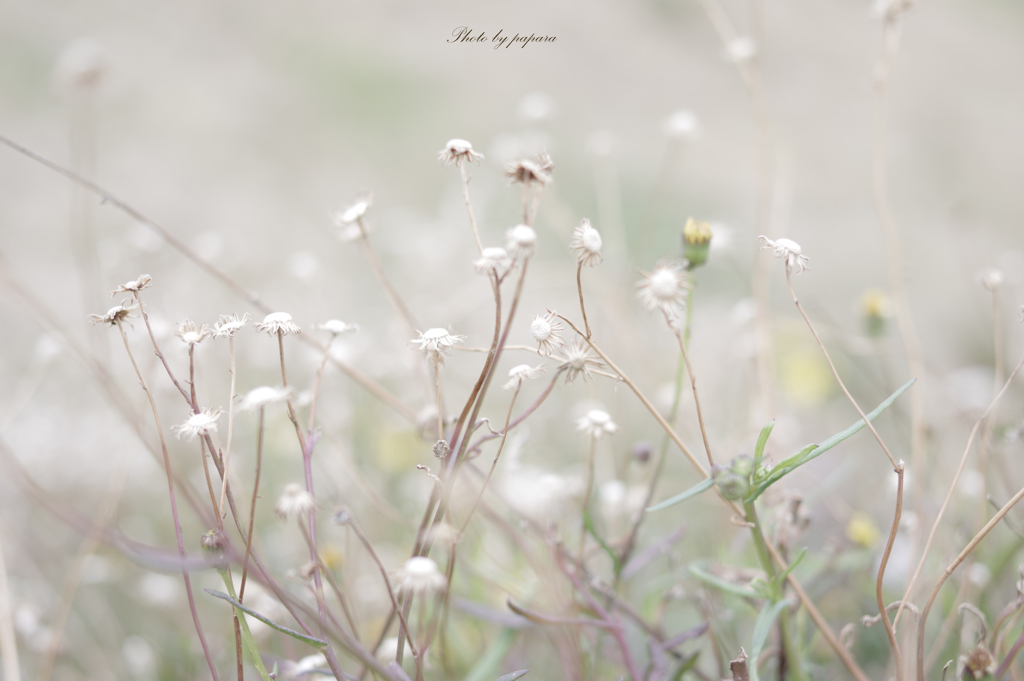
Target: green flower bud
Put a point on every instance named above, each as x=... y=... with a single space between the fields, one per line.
x=696 y=242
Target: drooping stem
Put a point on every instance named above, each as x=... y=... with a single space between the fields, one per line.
x=696 y=397
x=583 y=308
x=469 y=204
x=173 y=499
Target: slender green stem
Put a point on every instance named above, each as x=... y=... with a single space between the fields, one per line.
x=246 y=634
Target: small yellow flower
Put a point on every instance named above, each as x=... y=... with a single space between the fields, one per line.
x=862 y=530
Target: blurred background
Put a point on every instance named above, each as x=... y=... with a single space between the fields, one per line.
x=242 y=128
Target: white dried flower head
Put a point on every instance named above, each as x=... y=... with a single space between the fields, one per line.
x=586 y=241
x=436 y=343
x=597 y=424
x=190 y=335
x=546 y=163
x=458 y=151
x=82 y=63
x=991 y=279
x=114 y=315
x=526 y=171
x=664 y=289
x=521 y=241
x=682 y=125
x=518 y=374
x=419 y=575
x=228 y=325
x=354 y=212
x=144 y=281
x=199 y=424
x=294 y=500
x=492 y=259
x=441 y=449
x=278 y=323
x=337 y=327
x=262 y=396
x=789 y=251
x=546 y=330
x=578 y=362
x=740 y=49
x=445 y=535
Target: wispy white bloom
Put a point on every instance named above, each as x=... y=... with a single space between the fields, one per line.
x=190 y=335
x=991 y=279
x=262 y=396
x=337 y=327
x=294 y=500
x=492 y=259
x=586 y=241
x=521 y=241
x=740 y=49
x=228 y=325
x=664 y=289
x=114 y=314
x=199 y=424
x=526 y=171
x=518 y=374
x=143 y=282
x=419 y=575
x=82 y=64
x=354 y=212
x=682 y=125
x=458 y=151
x=436 y=343
x=596 y=424
x=578 y=362
x=546 y=330
x=789 y=251
x=278 y=322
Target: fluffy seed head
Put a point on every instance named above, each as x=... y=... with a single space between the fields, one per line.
x=278 y=322
x=228 y=325
x=682 y=125
x=518 y=374
x=458 y=151
x=294 y=500
x=435 y=342
x=262 y=396
x=586 y=241
x=114 y=315
x=664 y=289
x=354 y=212
x=546 y=330
x=578 y=362
x=597 y=424
x=521 y=241
x=789 y=251
x=199 y=424
x=492 y=259
x=419 y=575
x=336 y=327
x=528 y=172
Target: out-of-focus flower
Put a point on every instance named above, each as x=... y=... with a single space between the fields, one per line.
x=682 y=125
x=458 y=151
x=82 y=64
x=190 y=335
x=525 y=171
x=664 y=289
x=144 y=281
x=789 y=251
x=991 y=279
x=536 y=107
x=419 y=575
x=278 y=323
x=262 y=396
x=337 y=327
x=586 y=241
x=578 y=362
x=492 y=259
x=875 y=309
x=546 y=330
x=199 y=424
x=436 y=343
x=115 y=314
x=294 y=500
x=228 y=325
x=862 y=530
x=355 y=212
x=597 y=424
x=740 y=49
x=696 y=242
x=518 y=374
x=521 y=241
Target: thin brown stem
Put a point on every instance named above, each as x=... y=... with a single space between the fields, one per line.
x=389 y=289
x=889 y=630
x=696 y=397
x=173 y=500
x=469 y=204
x=252 y=505
x=440 y=401
x=231 y=431
x=583 y=308
x=494 y=464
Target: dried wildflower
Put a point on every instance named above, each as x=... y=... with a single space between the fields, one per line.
x=492 y=259
x=862 y=530
x=114 y=315
x=597 y=424
x=586 y=241
x=577 y=361
x=525 y=171
x=419 y=575
x=228 y=326
x=143 y=282
x=545 y=329
x=789 y=251
x=435 y=342
x=337 y=327
x=979 y=662
x=664 y=289
x=190 y=335
x=521 y=241
x=991 y=279
x=696 y=242
x=518 y=374
x=295 y=500
x=278 y=323
x=441 y=449
x=682 y=125
x=458 y=151
x=354 y=212
x=199 y=424
x=212 y=544
x=262 y=396
x=546 y=163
